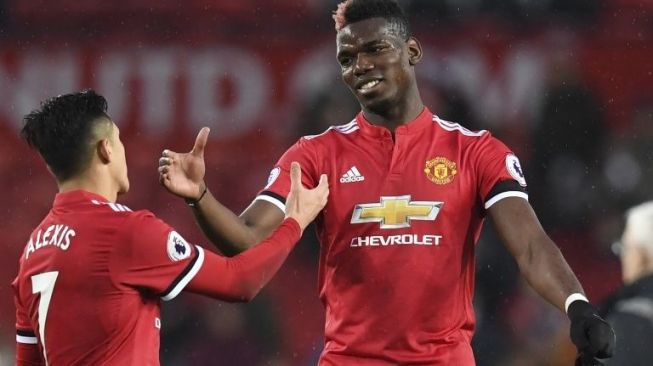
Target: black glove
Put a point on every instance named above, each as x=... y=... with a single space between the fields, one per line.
x=592 y=335
x=584 y=360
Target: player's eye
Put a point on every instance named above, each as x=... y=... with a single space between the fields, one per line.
x=345 y=61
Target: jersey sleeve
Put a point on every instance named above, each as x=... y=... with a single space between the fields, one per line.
x=241 y=277
x=499 y=172
x=154 y=257
x=278 y=184
x=27 y=350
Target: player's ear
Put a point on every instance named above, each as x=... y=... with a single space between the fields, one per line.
x=104 y=150
x=414 y=51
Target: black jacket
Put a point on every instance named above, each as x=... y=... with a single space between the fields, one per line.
x=630 y=312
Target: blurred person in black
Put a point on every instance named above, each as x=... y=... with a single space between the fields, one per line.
x=630 y=309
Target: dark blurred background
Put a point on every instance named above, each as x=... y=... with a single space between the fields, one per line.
x=566 y=83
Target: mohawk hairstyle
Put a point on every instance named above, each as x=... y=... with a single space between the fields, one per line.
x=62 y=130
x=352 y=11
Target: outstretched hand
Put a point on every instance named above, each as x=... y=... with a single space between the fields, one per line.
x=304 y=204
x=182 y=174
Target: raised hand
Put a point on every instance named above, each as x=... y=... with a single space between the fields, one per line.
x=183 y=173
x=304 y=204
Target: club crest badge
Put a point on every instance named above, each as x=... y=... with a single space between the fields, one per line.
x=440 y=170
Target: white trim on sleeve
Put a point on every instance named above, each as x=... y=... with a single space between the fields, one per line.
x=189 y=276
x=272 y=200
x=26 y=339
x=503 y=195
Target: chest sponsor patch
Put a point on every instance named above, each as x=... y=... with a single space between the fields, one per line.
x=178 y=247
x=514 y=169
x=394 y=212
x=440 y=170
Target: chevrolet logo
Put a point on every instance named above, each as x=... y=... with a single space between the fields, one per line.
x=396 y=212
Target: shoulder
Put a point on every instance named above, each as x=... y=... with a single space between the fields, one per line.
x=478 y=142
x=314 y=146
x=333 y=132
x=111 y=207
x=454 y=129
x=125 y=217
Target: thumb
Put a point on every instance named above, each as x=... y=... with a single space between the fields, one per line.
x=200 y=142
x=324 y=182
x=295 y=176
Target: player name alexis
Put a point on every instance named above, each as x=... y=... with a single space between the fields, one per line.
x=57 y=235
x=405 y=239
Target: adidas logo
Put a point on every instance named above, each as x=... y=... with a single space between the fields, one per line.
x=352 y=175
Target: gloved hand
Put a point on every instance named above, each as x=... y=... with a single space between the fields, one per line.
x=583 y=360
x=593 y=336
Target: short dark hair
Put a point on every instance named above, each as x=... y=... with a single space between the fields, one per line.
x=62 y=129
x=352 y=11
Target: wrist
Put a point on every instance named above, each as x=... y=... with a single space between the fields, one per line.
x=295 y=224
x=572 y=298
x=580 y=309
x=195 y=201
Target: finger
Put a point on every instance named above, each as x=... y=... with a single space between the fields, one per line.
x=586 y=359
x=163 y=169
x=169 y=154
x=200 y=142
x=295 y=176
x=602 y=340
x=323 y=185
x=165 y=161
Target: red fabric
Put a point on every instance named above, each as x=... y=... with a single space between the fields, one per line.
x=105 y=270
x=398 y=294
x=241 y=277
x=28 y=355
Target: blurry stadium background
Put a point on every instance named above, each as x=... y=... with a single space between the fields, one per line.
x=566 y=83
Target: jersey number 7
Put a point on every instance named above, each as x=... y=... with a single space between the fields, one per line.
x=43 y=283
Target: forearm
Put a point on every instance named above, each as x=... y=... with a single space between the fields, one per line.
x=548 y=273
x=228 y=232
x=28 y=355
x=240 y=278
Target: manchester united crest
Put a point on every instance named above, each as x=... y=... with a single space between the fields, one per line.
x=440 y=170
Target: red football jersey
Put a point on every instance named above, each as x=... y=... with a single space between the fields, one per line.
x=398 y=234
x=91 y=278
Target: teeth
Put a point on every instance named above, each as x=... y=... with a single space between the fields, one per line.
x=368 y=85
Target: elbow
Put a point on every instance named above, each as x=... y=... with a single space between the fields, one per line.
x=242 y=299
x=247 y=298
x=244 y=294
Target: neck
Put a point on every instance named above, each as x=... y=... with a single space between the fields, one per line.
x=91 y=183
x=397 y=113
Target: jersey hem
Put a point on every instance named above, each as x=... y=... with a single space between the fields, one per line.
x=26 y=337
x=186 y=276
x=503 y=195
x=266 y=196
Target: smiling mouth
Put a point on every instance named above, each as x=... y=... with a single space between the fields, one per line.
x=368 y=86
